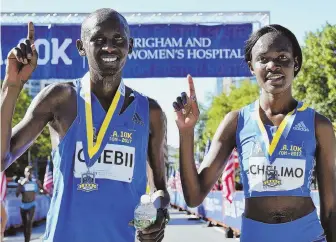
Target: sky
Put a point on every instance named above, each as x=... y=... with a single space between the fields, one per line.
x=299 y=16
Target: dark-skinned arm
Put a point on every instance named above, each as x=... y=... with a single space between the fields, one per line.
x=196 y=186
x=156 y=147
x=326 y=174
x=14 y=142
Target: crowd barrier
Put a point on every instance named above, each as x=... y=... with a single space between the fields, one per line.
x=12 y=205
x=216 y=208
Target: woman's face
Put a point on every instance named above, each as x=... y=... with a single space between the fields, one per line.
x=273 y=62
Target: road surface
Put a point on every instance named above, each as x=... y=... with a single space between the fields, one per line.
x=181 y=228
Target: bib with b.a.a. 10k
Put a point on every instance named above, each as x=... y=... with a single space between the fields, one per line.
x=100 y=170
x=276 y=161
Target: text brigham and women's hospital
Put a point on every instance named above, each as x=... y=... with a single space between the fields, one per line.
x=159 y=50
x=143 y=49
x=179 y=48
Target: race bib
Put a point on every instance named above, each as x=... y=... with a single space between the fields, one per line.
x=30 y=187
x=282 y=175
x=115 y=163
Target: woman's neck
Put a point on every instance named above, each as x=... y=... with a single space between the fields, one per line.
x=280 y=103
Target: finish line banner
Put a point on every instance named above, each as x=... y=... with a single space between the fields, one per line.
x=160 y=50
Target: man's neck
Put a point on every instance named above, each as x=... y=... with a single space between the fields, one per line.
x=105 y=87
x=280 y=103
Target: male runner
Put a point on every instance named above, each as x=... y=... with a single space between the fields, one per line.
x=102 y=133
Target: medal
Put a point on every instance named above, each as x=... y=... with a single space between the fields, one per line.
x=92 y=150
x=283 y=130
x=115 y=107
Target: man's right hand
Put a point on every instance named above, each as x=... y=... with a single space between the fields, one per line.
x=22 y=60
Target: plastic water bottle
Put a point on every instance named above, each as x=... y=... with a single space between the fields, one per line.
x=145 y=213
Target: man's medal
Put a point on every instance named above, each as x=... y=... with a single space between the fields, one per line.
x=92 y=150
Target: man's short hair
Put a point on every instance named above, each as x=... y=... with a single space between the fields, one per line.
x=100 y=14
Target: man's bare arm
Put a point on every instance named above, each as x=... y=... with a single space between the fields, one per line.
x=21 y=63
x=156 y=148
x=14 y=142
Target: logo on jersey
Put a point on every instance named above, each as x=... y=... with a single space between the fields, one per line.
x=116 y=162
x=301 y=127
x=271 y=178
x=88 y=183
x=136 y=119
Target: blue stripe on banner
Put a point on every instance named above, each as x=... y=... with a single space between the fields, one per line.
x=160 y=50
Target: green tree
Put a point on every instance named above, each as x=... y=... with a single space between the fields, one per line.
x=22 y=105
x=200 y=134
x=223 y=104
x=220 y=106
x=41 y=148
x=316 y=82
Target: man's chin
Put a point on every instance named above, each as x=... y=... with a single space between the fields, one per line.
x=109 y=71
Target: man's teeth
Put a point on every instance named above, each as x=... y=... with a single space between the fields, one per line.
x=275 y=77
x=109 y=59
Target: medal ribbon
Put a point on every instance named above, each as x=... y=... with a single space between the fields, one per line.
x=283 y=129
x=103 y=134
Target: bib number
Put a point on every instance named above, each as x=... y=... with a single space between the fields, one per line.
x=282 y=175
x=115 y=163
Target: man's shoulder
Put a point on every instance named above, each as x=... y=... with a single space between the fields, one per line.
x=154 y=105
x=57 y=93
x=157 y=117
x=156 y=114
x=60 y=88
x=155 y=110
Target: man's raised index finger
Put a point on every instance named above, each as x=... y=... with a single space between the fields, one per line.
x=31 y=32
